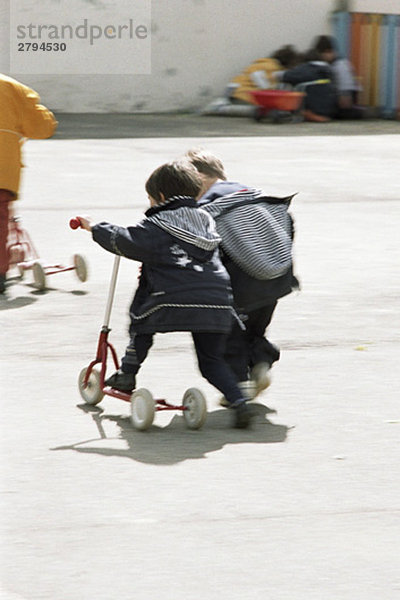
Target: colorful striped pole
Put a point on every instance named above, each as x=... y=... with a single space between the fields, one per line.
x=355 y=42
x=342 y=33
x=372 y=43
x=375 y=22
x=391 y=60
x=397 y=73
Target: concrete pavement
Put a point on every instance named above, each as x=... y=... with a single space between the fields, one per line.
x=126 y=125
x=303 y=506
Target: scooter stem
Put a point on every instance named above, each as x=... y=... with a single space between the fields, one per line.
x=111 y=291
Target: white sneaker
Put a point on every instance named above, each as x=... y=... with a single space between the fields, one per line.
x=260 y=375
x=249 y=389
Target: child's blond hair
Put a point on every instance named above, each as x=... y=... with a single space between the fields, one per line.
x=206 y=163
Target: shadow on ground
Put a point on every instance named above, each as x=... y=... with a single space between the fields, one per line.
x=175 y=443
x=10 y=303
x=172 y=125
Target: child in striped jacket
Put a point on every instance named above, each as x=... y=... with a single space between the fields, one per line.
x=257 y=234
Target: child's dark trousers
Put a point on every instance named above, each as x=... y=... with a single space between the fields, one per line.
x=210 y=349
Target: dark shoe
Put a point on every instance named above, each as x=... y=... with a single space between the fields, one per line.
x=2 y=283
x=124 y=382
x=243 y=414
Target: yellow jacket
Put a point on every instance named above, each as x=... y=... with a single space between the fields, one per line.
x=21 y=116
x=267 y=65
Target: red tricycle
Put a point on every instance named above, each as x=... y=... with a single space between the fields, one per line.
x=22 y=254
x=143 y=406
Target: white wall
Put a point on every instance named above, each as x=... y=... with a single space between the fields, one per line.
x=197 y=46
x=379 y=6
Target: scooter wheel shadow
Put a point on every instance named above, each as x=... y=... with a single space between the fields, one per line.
x=176 y=443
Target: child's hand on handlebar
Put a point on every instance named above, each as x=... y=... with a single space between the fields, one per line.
x=86 y=222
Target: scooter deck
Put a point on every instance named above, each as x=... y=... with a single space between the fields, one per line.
x=160 y=403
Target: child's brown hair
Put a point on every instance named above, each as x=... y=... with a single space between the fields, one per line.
x=177 y=178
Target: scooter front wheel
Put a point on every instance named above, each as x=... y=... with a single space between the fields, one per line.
x=142 y=409
x=80 y=267
x=92 y=392
x=195 y=412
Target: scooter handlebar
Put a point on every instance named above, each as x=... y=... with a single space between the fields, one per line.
x=75 y=223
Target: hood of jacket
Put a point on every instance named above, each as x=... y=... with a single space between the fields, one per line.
x=180 y=217
x=225 y=204
x=255 y=231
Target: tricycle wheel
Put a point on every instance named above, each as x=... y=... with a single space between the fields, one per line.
x=195 y=412
x=39 y=276
x=80 y=267
x=142 y=409
x=92 y=393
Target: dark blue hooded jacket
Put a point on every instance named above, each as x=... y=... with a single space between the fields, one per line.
x=183 y=284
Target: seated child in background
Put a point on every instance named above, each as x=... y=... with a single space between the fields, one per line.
x=315 y=78
x=183 y=285
x=346 y=84
x=328 y=81
x=238 y=100
x=261 y=73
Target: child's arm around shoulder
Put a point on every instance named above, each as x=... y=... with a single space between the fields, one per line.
x=133 y=242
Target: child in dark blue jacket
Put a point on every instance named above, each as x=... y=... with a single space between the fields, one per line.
x=183 y=285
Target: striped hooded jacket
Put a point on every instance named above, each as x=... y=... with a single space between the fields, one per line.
x=257 y=234
x=183 y=284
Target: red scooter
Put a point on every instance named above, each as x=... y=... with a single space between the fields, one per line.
x=22 y=254
x=143 y=405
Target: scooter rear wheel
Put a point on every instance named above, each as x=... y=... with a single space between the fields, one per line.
x=142 y=409
x=80 y=267
x=195 y=412
x=92 y=393
x=39 y=276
